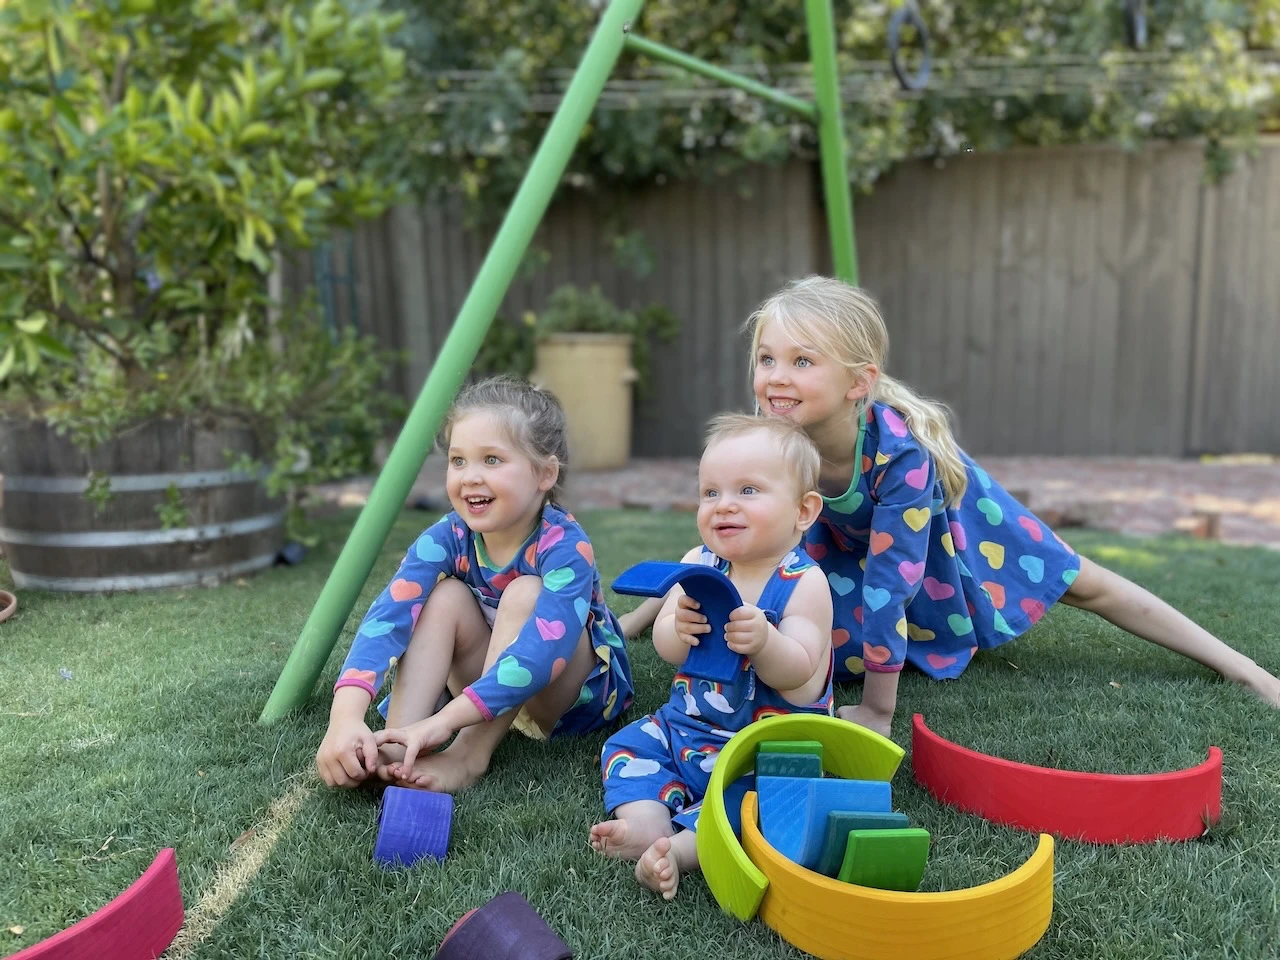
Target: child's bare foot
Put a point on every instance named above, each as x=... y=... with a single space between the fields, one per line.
x=621 y=839
x=448 y=771
x=660 y=866
x=866 y=718
x=389 y=754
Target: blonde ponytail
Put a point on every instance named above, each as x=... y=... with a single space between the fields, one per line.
x=845 y=323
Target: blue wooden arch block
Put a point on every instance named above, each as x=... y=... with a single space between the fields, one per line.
x=711 y=659
x=794 y=811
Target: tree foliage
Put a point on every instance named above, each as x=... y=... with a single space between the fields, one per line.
x=155 y=156
x=1199 y=83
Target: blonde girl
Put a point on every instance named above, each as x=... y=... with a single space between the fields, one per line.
x=928 y=558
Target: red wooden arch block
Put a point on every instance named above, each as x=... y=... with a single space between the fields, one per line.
x=1095 y=807
x=137 y=925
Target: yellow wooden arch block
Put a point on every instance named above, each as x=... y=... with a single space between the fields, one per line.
x=849 y=751
x=842 y=921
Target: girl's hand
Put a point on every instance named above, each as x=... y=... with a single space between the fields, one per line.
x=416 y=738
x=690 y=623
x=348 y=754
x=747 y=630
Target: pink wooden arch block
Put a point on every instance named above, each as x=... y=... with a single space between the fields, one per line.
x=137 y=925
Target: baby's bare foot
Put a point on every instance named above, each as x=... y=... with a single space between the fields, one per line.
x=658 y=868
x=618 y=838
x=446 y=772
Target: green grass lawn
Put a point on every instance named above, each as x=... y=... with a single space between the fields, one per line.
x=153 y=742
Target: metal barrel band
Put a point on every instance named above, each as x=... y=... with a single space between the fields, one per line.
x=142 y=581
x=131 y=482
x=141 y=538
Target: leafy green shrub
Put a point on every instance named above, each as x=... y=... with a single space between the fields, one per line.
x=156 y=157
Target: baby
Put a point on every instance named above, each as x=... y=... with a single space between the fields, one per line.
x=758 y=481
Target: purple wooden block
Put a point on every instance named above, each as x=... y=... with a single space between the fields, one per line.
x=412 y=825
x=505 y=928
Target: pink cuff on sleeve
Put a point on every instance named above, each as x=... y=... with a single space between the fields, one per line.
x=364 y=685
x=882 y=667
x=484 y=711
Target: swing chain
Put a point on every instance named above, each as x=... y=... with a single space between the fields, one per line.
x=1135 y=23
x=909 y=13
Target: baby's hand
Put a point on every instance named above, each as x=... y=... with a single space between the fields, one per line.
x=747 y=630
x=690 y=623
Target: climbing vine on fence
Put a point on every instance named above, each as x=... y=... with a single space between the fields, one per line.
x=1198 y=76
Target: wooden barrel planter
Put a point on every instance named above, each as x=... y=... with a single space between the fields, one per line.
x=56 y=539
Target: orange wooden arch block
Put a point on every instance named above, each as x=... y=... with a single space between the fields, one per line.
x=1094 y=807
x=1000 y=920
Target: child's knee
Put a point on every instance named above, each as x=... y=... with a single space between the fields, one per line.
x=521 y=595
x=449 y=592
x=449 y=607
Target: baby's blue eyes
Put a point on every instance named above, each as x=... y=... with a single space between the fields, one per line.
x=748 y=490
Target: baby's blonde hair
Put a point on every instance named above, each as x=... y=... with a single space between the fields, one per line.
x=798 y=453
x=843 y=322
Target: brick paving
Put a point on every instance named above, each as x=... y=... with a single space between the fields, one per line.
x=1144 y=496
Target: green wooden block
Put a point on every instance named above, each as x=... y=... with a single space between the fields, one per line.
x=792 y=746
x=886 y=859
x=788 y=765
x=840 y=823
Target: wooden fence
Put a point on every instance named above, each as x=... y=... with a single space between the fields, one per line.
x=1061 y=301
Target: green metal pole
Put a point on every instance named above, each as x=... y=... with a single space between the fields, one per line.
x=835 y=175
x=694 y=65
x=351 y=570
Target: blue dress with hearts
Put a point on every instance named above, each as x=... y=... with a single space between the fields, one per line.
x=915 y=582
x=571 y=601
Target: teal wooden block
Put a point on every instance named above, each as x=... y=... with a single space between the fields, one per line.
x=886 y=859
x=794 y=810
x=791 y=746
x=788 y=765
x=836 y=840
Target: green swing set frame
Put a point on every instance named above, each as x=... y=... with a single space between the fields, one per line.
x=412 y=446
